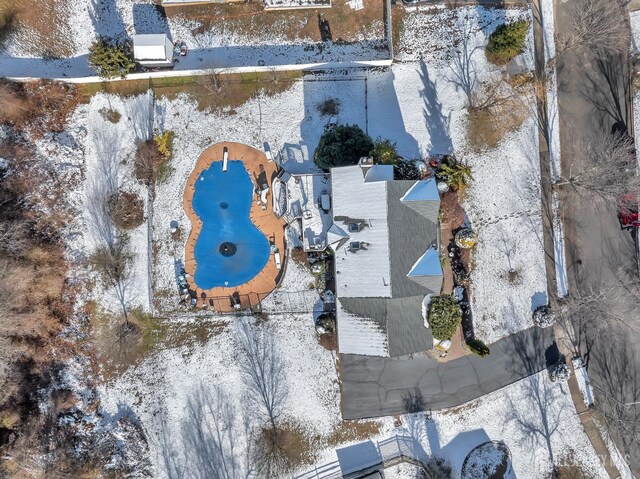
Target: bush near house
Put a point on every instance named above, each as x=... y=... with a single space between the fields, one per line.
x=342 y=145
x=507 y=41
x=406 y=170
x=477 y=346
x=444 y=316
x=455 y=174
x=384 y=152
x=110 y=58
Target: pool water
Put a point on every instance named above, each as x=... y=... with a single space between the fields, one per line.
x=230 y=250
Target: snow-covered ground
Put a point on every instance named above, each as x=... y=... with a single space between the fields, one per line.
x=634 y=20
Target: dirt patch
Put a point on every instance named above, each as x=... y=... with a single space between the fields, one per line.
x=344 y=23
x=41 y=26
x=328 y=341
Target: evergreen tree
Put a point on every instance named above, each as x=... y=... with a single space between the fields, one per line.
x=110 y=58
x=342 y=145
x=507 y=41
x=385 y=152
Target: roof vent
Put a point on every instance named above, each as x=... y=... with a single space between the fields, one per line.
x=365 y=163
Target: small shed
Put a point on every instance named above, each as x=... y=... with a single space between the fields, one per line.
x=153 y=50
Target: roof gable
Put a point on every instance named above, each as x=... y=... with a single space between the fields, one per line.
x=427 y=265
x=423 y=190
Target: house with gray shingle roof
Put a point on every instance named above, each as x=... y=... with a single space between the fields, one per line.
x=385 y=236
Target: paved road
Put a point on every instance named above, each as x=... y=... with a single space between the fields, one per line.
x=373 y=387
x=592 y=95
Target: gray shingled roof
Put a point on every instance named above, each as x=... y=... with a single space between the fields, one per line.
x=411 y=231
x=410 y=235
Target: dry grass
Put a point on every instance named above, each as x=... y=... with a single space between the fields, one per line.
x=289 y=448
x=488 y=126
x=345 y=23
x=37 y=106
x=349 y=431
x=40 y=25
x=118 y=347
x=234 y=89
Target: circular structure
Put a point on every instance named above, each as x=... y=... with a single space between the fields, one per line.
x=228 y=249
x=489 y=460
x=224 y=205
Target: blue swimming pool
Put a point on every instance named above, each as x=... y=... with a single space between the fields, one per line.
x=230 y=250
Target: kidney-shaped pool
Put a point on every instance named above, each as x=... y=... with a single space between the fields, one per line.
x=230 y=250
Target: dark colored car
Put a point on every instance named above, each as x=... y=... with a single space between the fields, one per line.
x=628 y=212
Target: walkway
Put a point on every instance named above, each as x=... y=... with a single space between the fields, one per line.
x=375 y=386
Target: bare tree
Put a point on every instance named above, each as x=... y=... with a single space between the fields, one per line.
x=606 y=166
x=113 y=263
x=264 y=369
x=14 y=237
x=597 y=25
x=216 y=450
x=213 y=83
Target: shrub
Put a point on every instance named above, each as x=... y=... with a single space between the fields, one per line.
x=444 y=316
x=507 y=41
x=164 y=142
x=326 y=323
x=543 y=317
x=455 y=174
x=126 y=210
x=560 y=372
x=110 y=115
x=110 y=59
x=329 y=107
x=342 y=145
x=152 y=161
x=436 y=468
x=406 y=170
x=384 y=152
x=477 y=346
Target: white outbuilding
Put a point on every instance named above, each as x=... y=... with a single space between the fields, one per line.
x=153 y=50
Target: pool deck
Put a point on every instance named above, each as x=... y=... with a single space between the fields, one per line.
x=264 y=282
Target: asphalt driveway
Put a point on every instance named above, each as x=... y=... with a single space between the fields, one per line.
x=375 y=386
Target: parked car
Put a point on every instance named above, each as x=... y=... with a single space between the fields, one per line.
x=628 y=212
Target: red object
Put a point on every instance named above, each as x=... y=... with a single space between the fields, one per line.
x=628 y=212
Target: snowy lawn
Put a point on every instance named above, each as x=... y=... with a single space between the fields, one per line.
x=533 y=417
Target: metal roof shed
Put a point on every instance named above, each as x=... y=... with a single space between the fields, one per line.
x=153 y=50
